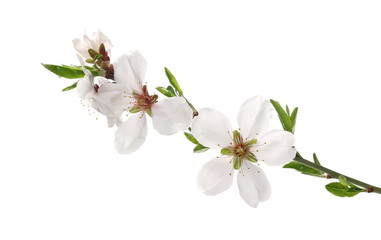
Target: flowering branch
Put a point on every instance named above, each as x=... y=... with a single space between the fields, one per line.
x=117 y=90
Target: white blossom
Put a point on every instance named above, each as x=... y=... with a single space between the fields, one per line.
x=105 y=96
x=242 y=150
x=169 y=115
x=91 y=41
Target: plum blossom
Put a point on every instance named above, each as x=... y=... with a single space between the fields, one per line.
x=104 y=96
x=92 y=44
x=242 y=150
x=169 y=115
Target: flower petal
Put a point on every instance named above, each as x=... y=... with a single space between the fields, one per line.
x=131 y=134
x=111 y=100
x=101 y=80
x=85 y=87
x=254 y=117
x=216 y=175
x=129 y=71
x=253 y=184
x=138 y=65
x=99 y=38
x=171 y=115
x=212 y=128
x=275 y=148
x=82 y=62
x=81 y=48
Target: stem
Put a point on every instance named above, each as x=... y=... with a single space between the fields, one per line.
x=195 y=112
x=333 y=174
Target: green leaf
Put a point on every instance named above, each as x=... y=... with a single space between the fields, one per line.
x=304 y=169
x=71 y=72
x=65 y=71
x=191 y=138
x=316 y=160
x=287 y=110
x=173 y=81
x=164 y=91
x=343 y=181
x=200 y=148
x=341 y=190
x=283 y=116
x=294 y=115
x=171 y=90
x=293 y=118
x=336 y=189
x=74 y=85
x=93 y=71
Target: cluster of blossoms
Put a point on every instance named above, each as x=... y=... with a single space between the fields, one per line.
x=121 y=90
x=118 y=91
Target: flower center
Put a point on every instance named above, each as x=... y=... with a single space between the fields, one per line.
x=143 y=101
x=240 y=150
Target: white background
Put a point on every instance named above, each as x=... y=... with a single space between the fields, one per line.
x=60 y=177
